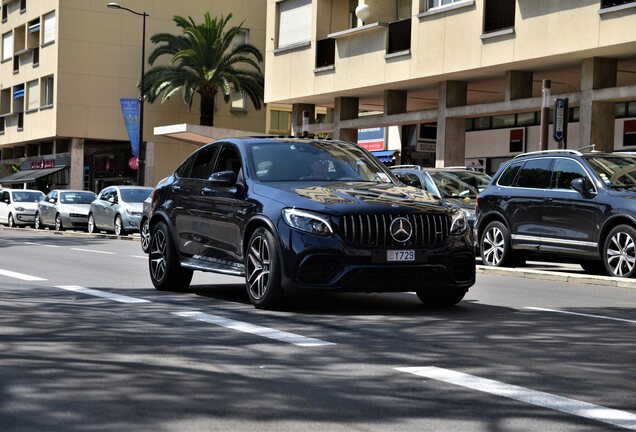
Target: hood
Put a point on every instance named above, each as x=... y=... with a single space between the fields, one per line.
x=464 y=203
x=133 y=206
x=75 y=208
x=27 y=205
x=347 y=197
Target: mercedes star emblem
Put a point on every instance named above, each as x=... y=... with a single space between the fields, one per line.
x=401 y=229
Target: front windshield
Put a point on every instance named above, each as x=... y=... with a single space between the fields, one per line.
x=316 y=161
x=27 y=196
x=615 y=171
x=460 y=184
x=77 y=197
x=135 y=195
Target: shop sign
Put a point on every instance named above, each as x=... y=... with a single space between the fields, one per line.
x=42 y=164
x=371 y=139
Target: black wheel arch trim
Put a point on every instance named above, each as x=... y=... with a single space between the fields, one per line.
x=489 y=217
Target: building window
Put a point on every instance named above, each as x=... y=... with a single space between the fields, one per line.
x=241 y=38
x=437 y=3
x=46 y=96
x=1 y=125
x=5 y=14
x=325 y=52
x=279 y=121
x=498 y=15
x=403 y=9
x=16 y=64
x=36 y=56
x=612 y=3
x=399 y=36
x=23 y=5
x=32 y=95
x=20 y=121
x=49 y=28
x=7 y=46
x=294 y=22
x=353 y=19
x=238 y=101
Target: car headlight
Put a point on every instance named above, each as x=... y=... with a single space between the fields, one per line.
x=133 y=212
x=20 y=209
x=458 y=223
x=308 y=222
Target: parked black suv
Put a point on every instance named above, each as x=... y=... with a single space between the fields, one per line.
x=309 y=214
x=564 y=206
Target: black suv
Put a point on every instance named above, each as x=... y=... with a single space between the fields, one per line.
x=562 y=205
x=308 y=214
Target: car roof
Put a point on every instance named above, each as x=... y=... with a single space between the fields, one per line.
x=276 y=140
x=70 y=190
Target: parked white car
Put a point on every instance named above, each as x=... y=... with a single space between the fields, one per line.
x=18 y=206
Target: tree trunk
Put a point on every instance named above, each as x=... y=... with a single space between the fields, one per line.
x=207 y=110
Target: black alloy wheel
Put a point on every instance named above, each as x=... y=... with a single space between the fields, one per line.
x=166 y=272
x=145 y=235
x=262 y=270
x=619 y=252
x=58 y=223
x=495 y=246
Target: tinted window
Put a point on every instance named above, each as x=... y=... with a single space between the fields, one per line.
x=184 y=169
x=535 y=174
x=509 y=175
x=229 y=160
x=202 y=166
x=564 y=171
x=615 y=171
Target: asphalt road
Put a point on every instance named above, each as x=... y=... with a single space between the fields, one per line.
x=86 y=344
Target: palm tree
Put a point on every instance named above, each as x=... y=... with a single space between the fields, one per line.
x=204 y=61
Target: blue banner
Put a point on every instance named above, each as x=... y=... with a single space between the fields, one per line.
x=130 y=111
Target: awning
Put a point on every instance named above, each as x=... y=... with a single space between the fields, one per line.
x=18 y=94
x=29 y=176
x=385 y=155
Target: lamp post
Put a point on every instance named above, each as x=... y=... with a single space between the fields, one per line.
x=115 y=5
x=545 y=113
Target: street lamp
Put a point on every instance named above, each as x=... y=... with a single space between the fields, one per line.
x=115 y=5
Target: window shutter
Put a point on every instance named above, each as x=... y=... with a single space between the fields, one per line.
x=7 y=46
x=32 y=95
x=294 y=22
x=49 y=28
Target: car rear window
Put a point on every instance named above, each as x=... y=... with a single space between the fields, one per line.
x=535 y=174
x=508 y=176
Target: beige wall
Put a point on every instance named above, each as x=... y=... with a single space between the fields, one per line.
x=448 y=46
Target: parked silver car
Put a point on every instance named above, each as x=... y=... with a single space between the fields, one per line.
x=118 y=209
x=17 y=206
x=63 y=209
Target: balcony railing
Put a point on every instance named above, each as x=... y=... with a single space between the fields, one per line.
x=399 y=36
x=325 y=53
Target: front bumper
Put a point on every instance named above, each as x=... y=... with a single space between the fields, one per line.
x=313 y=262
x=24 y=218
x=131 y=222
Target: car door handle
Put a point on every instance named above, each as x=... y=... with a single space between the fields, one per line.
x=206 y=191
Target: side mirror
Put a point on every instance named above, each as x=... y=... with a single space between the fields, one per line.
x=223 y=178
x=52 y=200
x=112 y=200
x=581 y=186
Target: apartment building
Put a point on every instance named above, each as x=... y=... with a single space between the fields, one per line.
x=461 y=79
x=65 y=65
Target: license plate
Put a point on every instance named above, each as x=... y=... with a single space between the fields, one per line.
x=400 y=255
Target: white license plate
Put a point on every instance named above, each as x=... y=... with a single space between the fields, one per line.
x=400 y=255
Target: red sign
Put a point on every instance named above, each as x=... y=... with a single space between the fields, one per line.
x=48 y=163
x=133 y=163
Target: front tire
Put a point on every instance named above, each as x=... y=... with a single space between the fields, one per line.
x=11 y=221
x=619 y=252
x=91 y=224
x=58 y=223
x=166 y=272
x=495 y=246
x=38 y=222
x=446 y=298
x=145 y=236
x=262 y=270
x=119 y=227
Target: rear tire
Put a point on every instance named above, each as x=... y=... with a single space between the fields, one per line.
x=262 y=270
x=494 y=245
x=445 y=298
x=166 y=272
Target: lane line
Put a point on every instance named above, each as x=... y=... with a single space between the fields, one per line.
x=94 y=251
x=254 y=329
x=587 y=410
x=21 y=276
x=29 y=243
x=581 y=314
x=104 y=294
x=51 y=246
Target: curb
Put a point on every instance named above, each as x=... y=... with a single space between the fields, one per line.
x=558 y=276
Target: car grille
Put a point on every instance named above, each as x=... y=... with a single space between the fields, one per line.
x=78 y=215
x=372 y=230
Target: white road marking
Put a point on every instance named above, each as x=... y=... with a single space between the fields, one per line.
x=587 y=410
x=139 y=256
x=103 y=294
x=20 y=276
x=29 y=243
x=52 y=246
x=94 y=251
x=255 y=329
x=581 y=314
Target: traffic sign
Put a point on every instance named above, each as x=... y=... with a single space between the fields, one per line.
x=560 y=120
